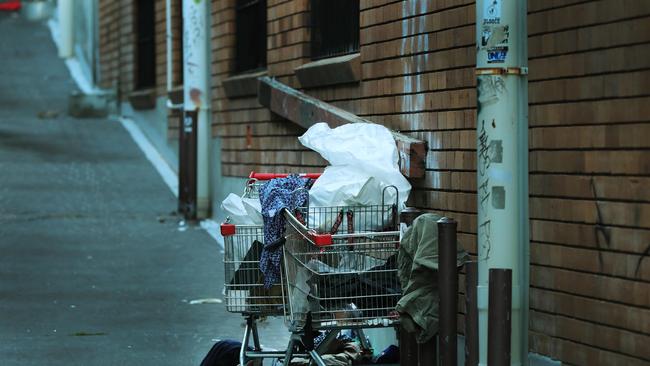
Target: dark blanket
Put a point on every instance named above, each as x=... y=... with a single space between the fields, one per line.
x=372 y=289
x=223 y=353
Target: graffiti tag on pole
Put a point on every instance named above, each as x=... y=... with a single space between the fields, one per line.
x=483 y=189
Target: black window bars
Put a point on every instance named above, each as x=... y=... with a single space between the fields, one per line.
x=145 y=35
x=250 y=52
x=334 y=28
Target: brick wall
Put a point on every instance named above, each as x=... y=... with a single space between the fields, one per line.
x=173 y=117
x=589 y=167
x=117 y=50
x=109 y=33
x=116 y=55
x=177 y=39
x=254 y=139
x=161 y=48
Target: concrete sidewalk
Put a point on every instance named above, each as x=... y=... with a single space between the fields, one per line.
x=93 y=268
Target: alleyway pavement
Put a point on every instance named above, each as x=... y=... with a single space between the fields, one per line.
x=93 y=267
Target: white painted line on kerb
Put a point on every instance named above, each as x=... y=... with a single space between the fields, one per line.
x=213 y=229
x=74 y=67
x=166 y=172
x=168 y=175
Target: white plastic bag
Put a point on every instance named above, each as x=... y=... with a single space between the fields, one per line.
x=364 y=160
x=242 y=211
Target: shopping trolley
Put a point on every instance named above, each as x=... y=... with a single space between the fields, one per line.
x=243 y=287
x=341 y=272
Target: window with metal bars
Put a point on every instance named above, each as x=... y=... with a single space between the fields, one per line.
x=145 y=31
x=250 y=52
x=334 y=28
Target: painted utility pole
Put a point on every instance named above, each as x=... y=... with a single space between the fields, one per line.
x=196 y=85
x=502 y=156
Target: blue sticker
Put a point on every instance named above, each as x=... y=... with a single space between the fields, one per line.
x=497 y=55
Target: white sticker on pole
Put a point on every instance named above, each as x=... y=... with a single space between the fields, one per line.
x=492 y=12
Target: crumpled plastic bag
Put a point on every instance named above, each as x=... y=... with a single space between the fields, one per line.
x=363 y=161
x=242 y=211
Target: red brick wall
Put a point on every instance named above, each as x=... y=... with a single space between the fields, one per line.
x=173 y=119
x=109 y=33
x=254 y=139
x=177 y=39
x=589 y=166
x=117 y=50
x=117 y=46
x=116 y=38
x=161 y=48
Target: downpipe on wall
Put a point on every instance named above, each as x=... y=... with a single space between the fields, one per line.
x=66 y=24
x=502 y=157
x=196 y=85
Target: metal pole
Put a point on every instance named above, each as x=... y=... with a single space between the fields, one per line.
x=408 y=348
x=187 y=165
x=427 y=352
x=196 y=77
x=169 y=44
x=66 y=24
x=499 y=317
x=502 y=158
x=448 y=285
x=471 y=315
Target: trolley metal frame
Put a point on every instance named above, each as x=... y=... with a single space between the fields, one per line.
x=327 y=249
x=244 y=290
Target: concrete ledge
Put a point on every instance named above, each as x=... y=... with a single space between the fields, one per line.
x=305 y=111
x=242 y=85
x=330 y=71
x=143 y=99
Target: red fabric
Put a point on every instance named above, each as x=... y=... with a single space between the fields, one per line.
x=11 y=5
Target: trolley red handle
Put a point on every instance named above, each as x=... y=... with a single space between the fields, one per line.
x=321 y=240
x=228 y=229
x=269 y=176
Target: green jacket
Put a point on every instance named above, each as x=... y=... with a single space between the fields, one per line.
x=417 y=269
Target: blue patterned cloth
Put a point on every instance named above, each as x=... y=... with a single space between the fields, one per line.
x=275 y=196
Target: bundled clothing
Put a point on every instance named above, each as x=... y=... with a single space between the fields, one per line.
x=345 y=355
x=223 y=353
x=276 y=195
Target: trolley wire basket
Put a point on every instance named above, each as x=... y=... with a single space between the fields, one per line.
x=341 y=267
x=244 y=282
x=243 y=244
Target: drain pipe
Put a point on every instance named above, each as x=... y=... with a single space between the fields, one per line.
x=66 y=22
x=196 y=85
x=502 y=156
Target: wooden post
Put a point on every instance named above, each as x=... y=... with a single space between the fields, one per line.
x=471 y=314
x=499 y=317
x=448 y=285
